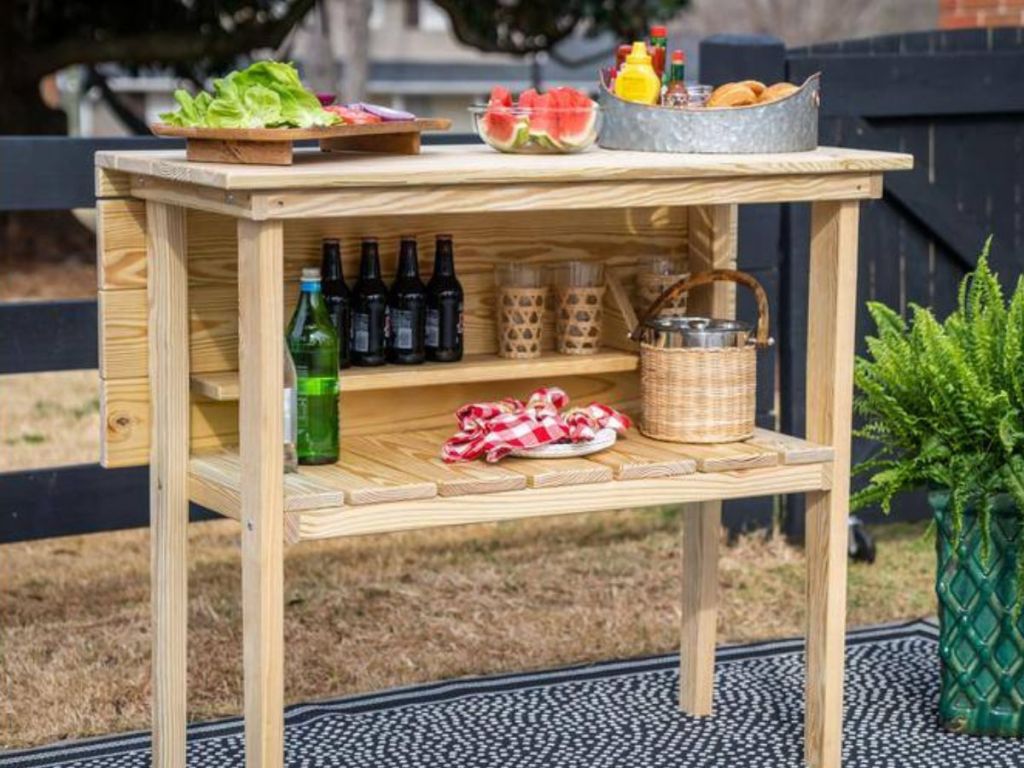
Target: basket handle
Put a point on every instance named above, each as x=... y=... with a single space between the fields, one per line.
x=706 y=278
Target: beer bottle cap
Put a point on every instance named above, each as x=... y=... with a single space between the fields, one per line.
x=310 y=274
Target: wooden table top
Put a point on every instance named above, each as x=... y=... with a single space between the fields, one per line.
x=478 y=164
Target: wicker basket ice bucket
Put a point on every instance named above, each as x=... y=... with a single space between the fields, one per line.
x=698 y=376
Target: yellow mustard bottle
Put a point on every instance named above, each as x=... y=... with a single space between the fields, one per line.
x=637 y=80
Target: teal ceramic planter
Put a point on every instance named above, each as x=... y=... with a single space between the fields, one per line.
x=981 y=645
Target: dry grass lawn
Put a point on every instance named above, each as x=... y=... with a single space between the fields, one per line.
x=369 y=613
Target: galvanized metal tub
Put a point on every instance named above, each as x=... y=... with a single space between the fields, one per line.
x=786 y=125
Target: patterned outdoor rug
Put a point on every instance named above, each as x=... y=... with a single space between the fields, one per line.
x=617 y=713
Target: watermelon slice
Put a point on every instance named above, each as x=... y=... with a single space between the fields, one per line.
x=543 y=118
x=500 y=125
x=577 y=118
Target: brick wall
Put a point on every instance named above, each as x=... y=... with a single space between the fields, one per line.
x=957 y=14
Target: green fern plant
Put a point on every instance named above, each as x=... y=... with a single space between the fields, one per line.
x=945 y=403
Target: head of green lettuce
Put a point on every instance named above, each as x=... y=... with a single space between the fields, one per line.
x=267 y=94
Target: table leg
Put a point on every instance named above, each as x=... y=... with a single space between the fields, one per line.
x=261 y=336
x=830 y=351
x=701 y=532
x=168 y=475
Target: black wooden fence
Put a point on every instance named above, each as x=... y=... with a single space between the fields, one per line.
x=953 y=99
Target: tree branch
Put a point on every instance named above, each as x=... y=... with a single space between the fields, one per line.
x=162 y=47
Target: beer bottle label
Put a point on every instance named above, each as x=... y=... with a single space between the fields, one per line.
x=433 y=330
x=361 y=332
x=401 y=328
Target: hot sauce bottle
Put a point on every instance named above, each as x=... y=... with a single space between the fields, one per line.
x=658 y=45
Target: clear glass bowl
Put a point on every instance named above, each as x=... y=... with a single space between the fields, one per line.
x=524 y=130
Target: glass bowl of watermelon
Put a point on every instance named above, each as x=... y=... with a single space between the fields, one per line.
x=563 y=120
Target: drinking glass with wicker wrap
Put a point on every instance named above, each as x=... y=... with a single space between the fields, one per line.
x=698 y=375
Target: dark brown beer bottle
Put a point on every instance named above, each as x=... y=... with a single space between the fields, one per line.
x=407 y=308
x=369 y=309
x=444 y=306
x=337 y=297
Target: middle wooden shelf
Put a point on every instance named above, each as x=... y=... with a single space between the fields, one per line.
x=472 y=368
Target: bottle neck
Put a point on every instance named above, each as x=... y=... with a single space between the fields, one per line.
x=330 y=263
x=444 y=259
x=369 y=264
x=408 y=264
x=678 y=73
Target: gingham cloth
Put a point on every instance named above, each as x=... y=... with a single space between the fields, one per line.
x=492 y=430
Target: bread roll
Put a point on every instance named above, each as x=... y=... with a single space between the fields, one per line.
x=777 y=91
x=732 y=95
x=755 y=85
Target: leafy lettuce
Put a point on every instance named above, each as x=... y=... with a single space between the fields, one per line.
x=267 y=94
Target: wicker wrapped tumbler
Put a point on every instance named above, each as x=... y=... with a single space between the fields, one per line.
x=698 y=376
x=521 y=295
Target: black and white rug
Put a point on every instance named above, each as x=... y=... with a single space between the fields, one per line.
x=611 y=714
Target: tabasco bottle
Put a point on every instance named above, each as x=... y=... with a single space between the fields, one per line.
x=313 y=344
x=444 y=306
x=407 y=308
x=675 y=90
x=658 y=45
x=337 y=297
x=369 y=309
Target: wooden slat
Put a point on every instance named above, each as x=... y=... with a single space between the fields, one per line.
x=630 y=460
x=121 y=244
x=419 y=455
x=215 y=479
x=434 y=407
x=124 y=333
x=542 y=502
x=367 y=481
x=475 y=164
x=791 y=450
x=472 y=368
x=716 y=457
x=550 y=473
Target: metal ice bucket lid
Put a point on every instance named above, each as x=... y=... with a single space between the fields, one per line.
x=711 y=332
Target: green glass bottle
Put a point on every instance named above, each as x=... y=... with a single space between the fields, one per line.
x=313 y=342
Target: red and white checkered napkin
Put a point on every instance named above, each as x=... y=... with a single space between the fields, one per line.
x=492 y=430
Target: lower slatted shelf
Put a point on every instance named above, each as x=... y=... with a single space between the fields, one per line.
x=398 y=481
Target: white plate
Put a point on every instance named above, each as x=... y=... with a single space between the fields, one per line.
x=605 y=438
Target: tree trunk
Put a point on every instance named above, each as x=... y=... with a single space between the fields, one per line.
x=356 y=72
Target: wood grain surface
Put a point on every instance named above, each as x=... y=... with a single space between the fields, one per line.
x=475 y=164
x=384 y=467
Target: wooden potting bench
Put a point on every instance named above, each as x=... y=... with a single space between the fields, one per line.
x=198 y=265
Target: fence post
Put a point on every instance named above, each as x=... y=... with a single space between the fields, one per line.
x=728 y=58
